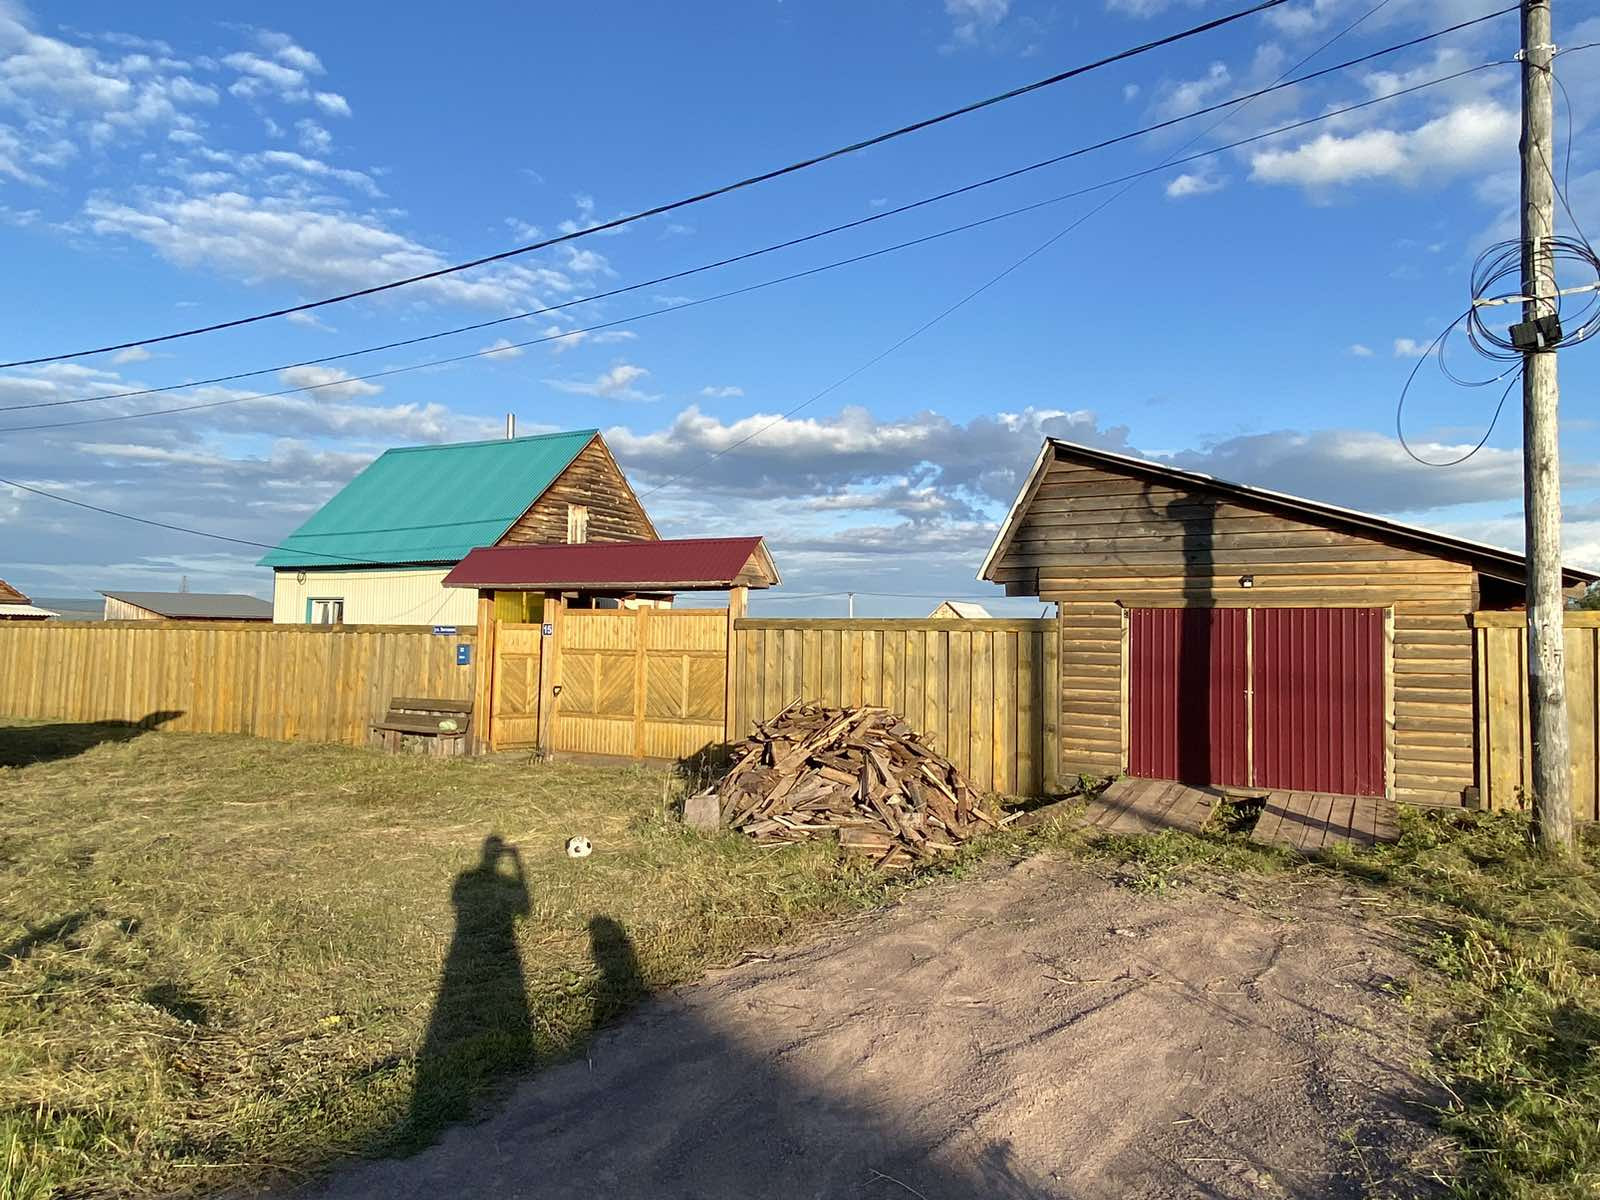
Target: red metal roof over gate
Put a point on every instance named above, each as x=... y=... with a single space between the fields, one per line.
x=677 y=565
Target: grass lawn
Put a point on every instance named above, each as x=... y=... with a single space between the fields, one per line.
x=223 y=958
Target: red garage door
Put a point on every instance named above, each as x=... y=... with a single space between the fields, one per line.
x=1186 y=699
x=1307 y=682
x=1318 y=681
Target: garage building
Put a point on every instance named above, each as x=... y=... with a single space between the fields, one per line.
x=1226 y=635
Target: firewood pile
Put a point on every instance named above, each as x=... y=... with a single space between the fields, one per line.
x=860 y=774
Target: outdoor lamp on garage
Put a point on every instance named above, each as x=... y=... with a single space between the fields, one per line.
x=1247 y=581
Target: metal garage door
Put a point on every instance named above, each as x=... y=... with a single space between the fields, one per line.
x=1269 y=697
x=1186 y=697
x=1318 y=682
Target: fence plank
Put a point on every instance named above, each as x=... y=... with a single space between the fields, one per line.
x=294 y=683
x=982 y=692
x=1504 y=731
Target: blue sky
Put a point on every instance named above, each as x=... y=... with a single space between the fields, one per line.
x=1253 y=316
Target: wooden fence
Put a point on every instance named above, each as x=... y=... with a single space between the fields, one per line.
x=984 y=691
x=289 y=682
x=1504 y=760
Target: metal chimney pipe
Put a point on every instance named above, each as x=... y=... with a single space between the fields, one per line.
x=511 y=425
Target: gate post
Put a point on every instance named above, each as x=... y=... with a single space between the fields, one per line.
x=738 y=605
x=483 y=677
x=549 y=673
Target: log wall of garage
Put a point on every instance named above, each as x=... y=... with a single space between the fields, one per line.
x=1094 y=541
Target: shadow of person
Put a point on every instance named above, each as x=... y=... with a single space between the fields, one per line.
x=481 y=1026
x=621 y=984
x=28 y=745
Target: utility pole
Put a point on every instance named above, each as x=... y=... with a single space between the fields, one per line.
x=851 y=600
x=1541 y=478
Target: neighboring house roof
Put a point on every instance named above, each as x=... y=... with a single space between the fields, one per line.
x=684 y=564
x=963 y=608
x=1491 y=560
x=430 y=504
x=14 y=604
x=198 y=606
x=25 y=610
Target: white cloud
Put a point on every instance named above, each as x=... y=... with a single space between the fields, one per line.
x=64 y=98
x=502 y=348
x=722 y=393
x=1198 y=183
x=284 y=48
x=314 y=139
x=332 y=103
x=1357 y=350
x=290 y=238
x=1187 y=95
x=1463 y=138
x=980 y=461
x=310 y=320
x=257 y=74
x=132 y=354
x=1405 y=347
x=1369 y=471
x=973 y=20
x=615 y=383
x=328 y=381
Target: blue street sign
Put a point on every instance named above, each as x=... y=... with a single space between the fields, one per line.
x=444 y=630
x=463 y=654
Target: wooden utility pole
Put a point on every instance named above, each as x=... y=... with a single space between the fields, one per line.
x=1541 y=480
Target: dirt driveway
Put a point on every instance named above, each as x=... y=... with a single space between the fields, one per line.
x=1034 y=1032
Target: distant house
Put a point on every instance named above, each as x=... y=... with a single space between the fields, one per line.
x=184 y=606
x=378 y=552
x=14 y=606
x=963 y=609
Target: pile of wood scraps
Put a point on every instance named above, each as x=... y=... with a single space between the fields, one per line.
x=862 y=775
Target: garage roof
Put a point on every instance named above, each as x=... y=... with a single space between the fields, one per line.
x=198 y=606
x=1491 y=560
x=677 y=565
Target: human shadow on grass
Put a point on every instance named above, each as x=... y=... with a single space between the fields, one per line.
x=26 y=745
x=481 y=1023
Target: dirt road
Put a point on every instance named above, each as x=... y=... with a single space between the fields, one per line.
x=1037 y=1032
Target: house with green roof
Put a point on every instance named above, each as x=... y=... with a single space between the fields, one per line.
x=378 y=552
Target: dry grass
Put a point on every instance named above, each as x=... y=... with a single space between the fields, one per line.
x=220 y=956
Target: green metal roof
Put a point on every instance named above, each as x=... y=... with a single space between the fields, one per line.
x=430 y=504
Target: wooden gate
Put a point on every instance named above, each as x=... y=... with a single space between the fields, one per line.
x=514 y=700
x=641 y=683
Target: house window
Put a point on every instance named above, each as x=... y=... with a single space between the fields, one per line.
x=577 y=523
x=327 y=612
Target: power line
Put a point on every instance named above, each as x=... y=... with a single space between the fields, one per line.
x=975 y=293
x=1282 y=83
x=700 y=197
x=491 y=352
x=219 y=537
x=1167 y=164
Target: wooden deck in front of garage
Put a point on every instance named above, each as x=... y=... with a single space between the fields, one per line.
x=1303 y=821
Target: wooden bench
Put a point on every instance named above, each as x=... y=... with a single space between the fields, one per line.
x=412 y=725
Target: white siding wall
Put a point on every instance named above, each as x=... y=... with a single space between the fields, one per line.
x=379 y=596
